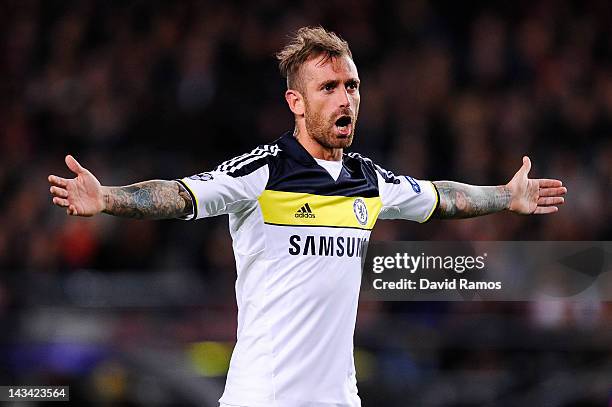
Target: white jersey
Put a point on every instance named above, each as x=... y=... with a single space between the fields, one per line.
x=298 y=238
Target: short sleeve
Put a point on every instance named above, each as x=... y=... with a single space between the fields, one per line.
x=232 y=187
x=404 y=197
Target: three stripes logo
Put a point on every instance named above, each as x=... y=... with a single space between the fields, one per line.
x=305 y=212
x=237 y=163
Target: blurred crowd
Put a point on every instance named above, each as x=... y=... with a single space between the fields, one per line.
x=139 y=90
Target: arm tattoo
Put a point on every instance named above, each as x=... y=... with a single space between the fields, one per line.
x=149 y=200
x=459 y=200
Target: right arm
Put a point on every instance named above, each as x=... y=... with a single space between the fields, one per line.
x=84 y=196
x=155 y=199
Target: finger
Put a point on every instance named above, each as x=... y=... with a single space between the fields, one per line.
x=74 y=165
x=59 y=192
x=526 y=165
x=71 y=210
x=544 y=210
x=547 y=183
x=60 y=201
x=553 y=191
x=60 y=182
x=555 y=200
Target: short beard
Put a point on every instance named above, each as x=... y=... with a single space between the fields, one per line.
x=322 y=130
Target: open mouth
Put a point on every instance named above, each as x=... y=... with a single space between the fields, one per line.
x=344 y=124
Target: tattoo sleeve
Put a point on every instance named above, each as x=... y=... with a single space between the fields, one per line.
x=155 y=199
x=459 y=200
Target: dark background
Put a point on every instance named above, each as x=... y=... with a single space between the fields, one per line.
x=143 y=313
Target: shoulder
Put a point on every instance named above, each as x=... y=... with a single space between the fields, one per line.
x=249 y=162
x=358 y=157
x=353 y=159
x=385 y=175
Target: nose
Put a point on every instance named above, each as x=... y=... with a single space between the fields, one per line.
x=343 y=98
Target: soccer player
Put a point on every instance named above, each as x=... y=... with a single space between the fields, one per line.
x=299 y=210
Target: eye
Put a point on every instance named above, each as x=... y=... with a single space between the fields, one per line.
x=353 y=85
x=329 y=87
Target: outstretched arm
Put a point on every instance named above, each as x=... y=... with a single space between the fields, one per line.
x=459 y=200
x=157 y=199
x=521 y=195
x=84 y=196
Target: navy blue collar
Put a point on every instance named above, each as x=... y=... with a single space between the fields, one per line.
x=292 y=147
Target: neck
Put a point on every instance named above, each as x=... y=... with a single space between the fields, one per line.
x=315 y=148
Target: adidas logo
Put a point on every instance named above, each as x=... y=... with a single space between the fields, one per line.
x=305 y=212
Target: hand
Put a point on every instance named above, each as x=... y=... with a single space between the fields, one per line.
x=534 y=196
x=81 y=196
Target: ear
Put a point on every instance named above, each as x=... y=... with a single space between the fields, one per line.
x=295 y=100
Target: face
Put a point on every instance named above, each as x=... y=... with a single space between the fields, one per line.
x=331 y=100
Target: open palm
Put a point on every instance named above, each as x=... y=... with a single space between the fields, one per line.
x=534 y=196
x=81 y=196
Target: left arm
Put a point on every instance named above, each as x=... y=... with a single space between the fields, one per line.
x=458 y=201
x=521 y=195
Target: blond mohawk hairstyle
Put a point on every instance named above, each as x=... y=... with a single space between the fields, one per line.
x=309 y=42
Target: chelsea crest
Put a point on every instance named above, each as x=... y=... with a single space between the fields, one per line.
x=361 y=211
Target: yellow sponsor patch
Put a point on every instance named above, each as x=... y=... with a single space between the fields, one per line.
x=300 y=209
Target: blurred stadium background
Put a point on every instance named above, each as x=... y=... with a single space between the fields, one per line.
x=141 y=313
